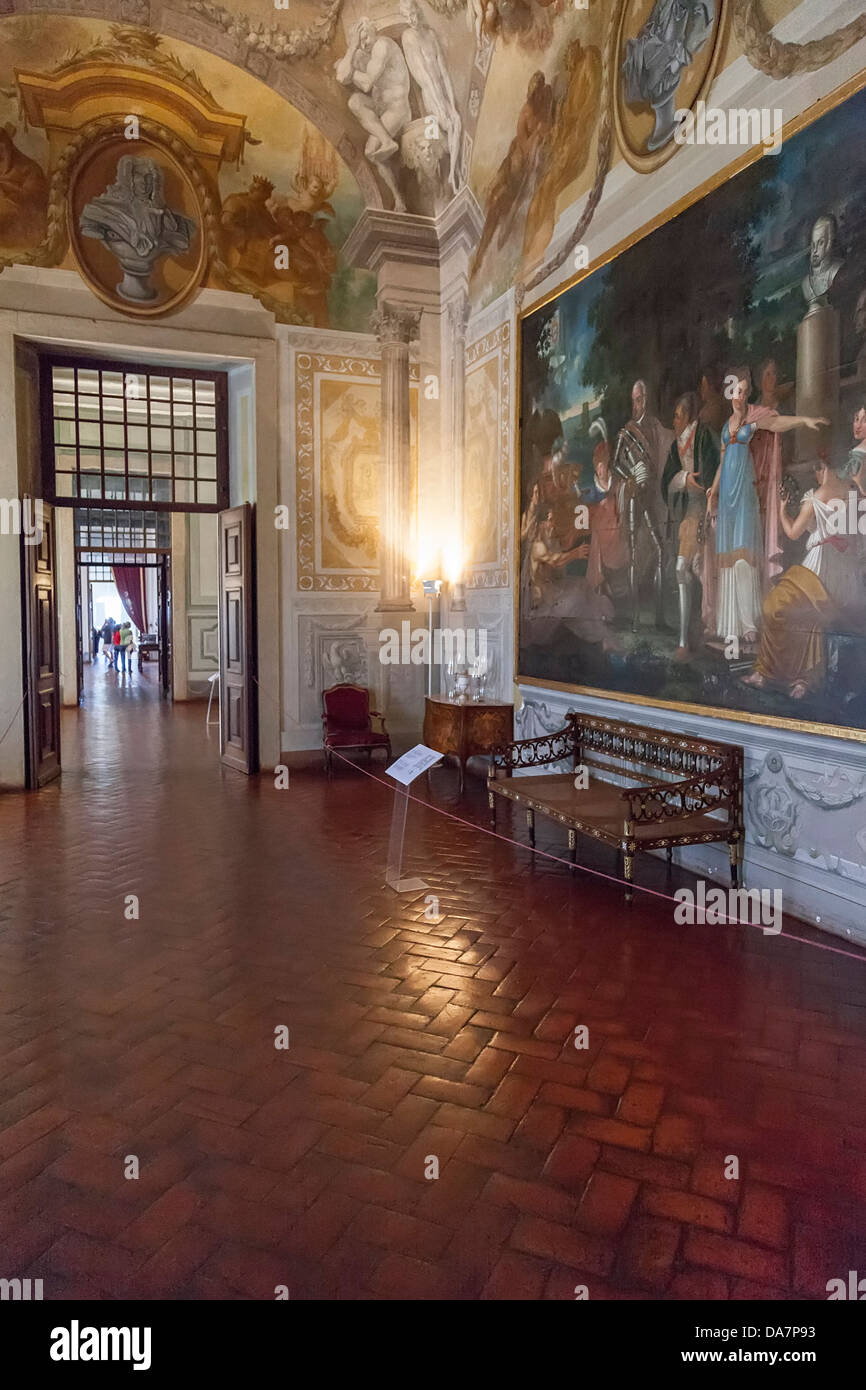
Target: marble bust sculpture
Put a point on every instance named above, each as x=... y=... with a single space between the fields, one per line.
x=825 y=262
x=658 y=56
x=131 y=219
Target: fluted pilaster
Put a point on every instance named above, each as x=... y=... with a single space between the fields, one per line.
x=396 y=326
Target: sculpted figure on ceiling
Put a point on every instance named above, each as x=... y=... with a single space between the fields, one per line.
x=132 y=219
x=656 y=59
x=426 y=61
x=381 y=72
x=374 y=66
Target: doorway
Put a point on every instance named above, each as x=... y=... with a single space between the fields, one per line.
x=128 y=447
x=123 y=572
x=124 y=587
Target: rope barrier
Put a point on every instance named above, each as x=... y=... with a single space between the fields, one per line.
x=15 y=712
x=596 y=873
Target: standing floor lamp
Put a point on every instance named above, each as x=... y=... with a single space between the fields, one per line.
x=431 y=588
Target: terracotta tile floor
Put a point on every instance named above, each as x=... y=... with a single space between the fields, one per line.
x=409 y=1038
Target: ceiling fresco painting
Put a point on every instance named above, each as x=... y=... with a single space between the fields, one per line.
x=536 y=148
x=281 y=200
x=326 y=107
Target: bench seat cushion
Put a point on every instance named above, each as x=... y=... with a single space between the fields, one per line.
x=599 y=808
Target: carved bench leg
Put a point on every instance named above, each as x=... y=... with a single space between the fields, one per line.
x=628 y=849
x=491 y=802
x=530 y=822
x=733 y=853
x=572 y=845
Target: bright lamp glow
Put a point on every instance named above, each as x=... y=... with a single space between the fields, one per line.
x=428 y=559
x=452 y=557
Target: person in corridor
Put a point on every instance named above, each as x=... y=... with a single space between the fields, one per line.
x=125 y=646
x=107 y=633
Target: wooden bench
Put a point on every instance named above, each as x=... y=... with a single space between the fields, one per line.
x=673 y=789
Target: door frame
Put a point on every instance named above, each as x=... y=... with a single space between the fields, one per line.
x=166 y=654
x=79 y=632
x=252 y=352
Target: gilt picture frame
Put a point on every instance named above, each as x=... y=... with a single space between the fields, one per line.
x=780 y=248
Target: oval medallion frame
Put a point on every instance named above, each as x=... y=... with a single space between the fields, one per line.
x=174 y=276
x=641 y=159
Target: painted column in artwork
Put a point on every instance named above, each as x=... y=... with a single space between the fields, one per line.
x=818 y=341
x=397 y=327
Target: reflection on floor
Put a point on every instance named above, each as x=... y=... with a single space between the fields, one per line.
x=153 y=1035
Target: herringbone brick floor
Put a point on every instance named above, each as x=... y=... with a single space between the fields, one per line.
x=409 y=1038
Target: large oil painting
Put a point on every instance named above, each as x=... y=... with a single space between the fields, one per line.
x=693 y=451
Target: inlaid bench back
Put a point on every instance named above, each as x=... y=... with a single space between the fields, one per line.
x=619 y=749
x=647 y=755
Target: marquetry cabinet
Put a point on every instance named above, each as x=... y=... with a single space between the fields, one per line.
x=464 y=731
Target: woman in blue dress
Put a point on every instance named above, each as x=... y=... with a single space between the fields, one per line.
x=733 y=499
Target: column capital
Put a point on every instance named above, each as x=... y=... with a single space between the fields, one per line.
x=396 y=323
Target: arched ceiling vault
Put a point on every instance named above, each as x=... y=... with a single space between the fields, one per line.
x=306 y=83
x=294 y=50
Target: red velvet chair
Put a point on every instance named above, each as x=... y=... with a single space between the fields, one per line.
x=347 y=723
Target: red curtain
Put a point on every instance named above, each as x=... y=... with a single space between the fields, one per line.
x=130 y=585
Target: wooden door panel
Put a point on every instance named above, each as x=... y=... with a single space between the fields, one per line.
x=43 y=556
x=238 y=689
x=79 y=636
x=233 y=563
x=234 y=628
x=235 y=718
x=41 y=667
x=44 y=649
x=38 y=586
x=47 y=726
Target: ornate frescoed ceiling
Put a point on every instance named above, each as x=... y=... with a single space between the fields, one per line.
x=537 y=148
x=389 y=104
x=273 y=181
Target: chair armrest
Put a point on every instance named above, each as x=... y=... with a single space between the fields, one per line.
x=374 y=714
x=660 y=801
x=532 y=752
